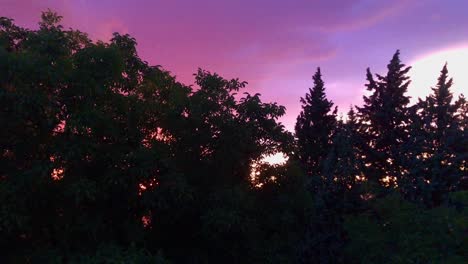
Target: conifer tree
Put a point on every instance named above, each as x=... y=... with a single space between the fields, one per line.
x=462 y=145
x=384 y=120
x=434 y=154
x=314 y=127
x=342 y=164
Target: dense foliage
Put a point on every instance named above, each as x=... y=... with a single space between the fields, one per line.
x=106 y=159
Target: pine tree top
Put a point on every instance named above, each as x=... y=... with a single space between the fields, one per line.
x=442 y=94
x=316 y=97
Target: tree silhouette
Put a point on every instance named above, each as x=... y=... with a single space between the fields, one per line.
x=384 y=120
x=314 y=127
x=106 y=159
x=433 y=157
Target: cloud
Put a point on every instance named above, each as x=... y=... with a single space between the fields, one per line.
x=251 y=36
x=216 y=34
x=366 y=13
x=270 y=44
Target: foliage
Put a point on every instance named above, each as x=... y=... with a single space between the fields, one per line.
x=314 y=127
x=435 y=153
x=393 y=230
x=384 y=119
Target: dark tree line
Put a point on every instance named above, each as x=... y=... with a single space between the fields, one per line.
x=106 y=159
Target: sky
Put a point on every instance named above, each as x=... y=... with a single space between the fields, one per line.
x=276 y=46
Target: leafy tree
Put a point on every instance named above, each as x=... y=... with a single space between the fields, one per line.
x=214 y=146
x=79 y=119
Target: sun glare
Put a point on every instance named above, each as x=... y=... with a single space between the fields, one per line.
x=426 y=69
x=276 y=159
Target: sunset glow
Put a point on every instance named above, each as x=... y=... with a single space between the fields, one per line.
x=276 y=159
x=425 y=69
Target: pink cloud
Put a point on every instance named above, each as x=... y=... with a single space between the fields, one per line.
x=218 y=35
x=260 y=41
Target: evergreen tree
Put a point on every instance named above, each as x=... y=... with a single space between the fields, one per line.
x=462 y=146
x=343 y=163
x=384 y=120
x=434 y=153
x=314 y=127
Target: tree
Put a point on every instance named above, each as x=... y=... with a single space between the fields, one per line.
x=314 y=127
x=101 y=149
x=462 y=147
x=104 y=158
x=433 y=153
x=343 y=165
x=384 y=121
x=80 y=119
x=394 y=230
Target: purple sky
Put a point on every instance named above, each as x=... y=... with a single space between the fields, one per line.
x=274 y=45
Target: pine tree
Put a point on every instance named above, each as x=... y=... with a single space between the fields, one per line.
x=435 y=152
x=462 y=146
x=314 y=127
x=384 y=120
x=343 y=165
